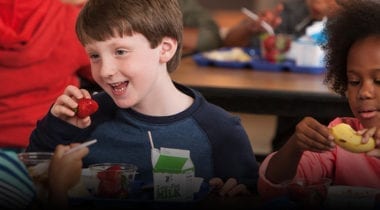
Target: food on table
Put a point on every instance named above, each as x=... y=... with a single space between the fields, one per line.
x=113 y=183
x=349 y=139
x=274 y=47
x=86 y=107
x=309 y=194
x=234 y=54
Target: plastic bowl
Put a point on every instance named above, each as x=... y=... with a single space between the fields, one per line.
x=306 y=193
x=112 y=180
x=37 y=164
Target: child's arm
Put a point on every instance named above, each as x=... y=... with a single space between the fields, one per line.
x=309 y=135
x=64 y=173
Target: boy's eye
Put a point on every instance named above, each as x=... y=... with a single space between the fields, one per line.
x=93 y=56
x=121 y=52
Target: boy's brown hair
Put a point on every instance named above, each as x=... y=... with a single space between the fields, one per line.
x=100 y=20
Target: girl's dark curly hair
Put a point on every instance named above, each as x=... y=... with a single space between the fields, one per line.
x=355 y=20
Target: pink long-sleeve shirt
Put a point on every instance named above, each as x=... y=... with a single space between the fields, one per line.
x=343 y=167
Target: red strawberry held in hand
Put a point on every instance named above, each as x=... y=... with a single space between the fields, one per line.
x=86 y=107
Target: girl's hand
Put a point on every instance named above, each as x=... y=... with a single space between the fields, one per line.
x=230 y=188
x=375 y=133
x=65 y=105
x=310 y=135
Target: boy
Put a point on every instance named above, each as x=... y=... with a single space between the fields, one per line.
x=133 y=45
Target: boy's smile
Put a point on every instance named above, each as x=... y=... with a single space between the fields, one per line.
x=119 y=88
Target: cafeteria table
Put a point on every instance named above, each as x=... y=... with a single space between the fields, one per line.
x=248 y=90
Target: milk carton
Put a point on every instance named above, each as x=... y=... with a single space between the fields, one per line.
x=173 y=174
x=307 y=50
x=307 y=53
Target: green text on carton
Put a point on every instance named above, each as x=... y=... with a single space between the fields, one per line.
x=173 y=173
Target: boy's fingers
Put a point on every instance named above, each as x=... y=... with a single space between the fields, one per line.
x=228 y=186
x=239 y=190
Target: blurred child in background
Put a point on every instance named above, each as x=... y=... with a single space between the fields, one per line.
x=200 y=32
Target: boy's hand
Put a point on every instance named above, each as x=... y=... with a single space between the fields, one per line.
x=66 y=104
x=312 y=136
x=86 y=107
x=229 y=189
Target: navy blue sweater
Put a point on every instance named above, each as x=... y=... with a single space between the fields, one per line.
x=218 y=144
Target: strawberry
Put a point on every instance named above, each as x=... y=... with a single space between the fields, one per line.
x=113 y=183
x=270 y=42
x=86 y=107
x=112 y=173
x=272 y=55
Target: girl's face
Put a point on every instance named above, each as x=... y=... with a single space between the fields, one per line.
x=126 y=68
x=321 y=8
x=363 y=73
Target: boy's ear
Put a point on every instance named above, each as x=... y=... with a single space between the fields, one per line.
x=168 y=49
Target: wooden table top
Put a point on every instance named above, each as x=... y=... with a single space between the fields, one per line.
x=262 y=92
x=190 y=73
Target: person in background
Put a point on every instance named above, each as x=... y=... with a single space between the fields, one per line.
x=200 y=33
x=291 y=17
x=39 y=56
x=353 y=60
x=132 y=51
x=246 y=32
x=17 y=188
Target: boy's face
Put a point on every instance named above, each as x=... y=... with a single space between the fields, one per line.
x=126 y=68
x=363 y=73
x=320 y=8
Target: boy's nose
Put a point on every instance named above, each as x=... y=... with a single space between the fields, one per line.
x=107 y=68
